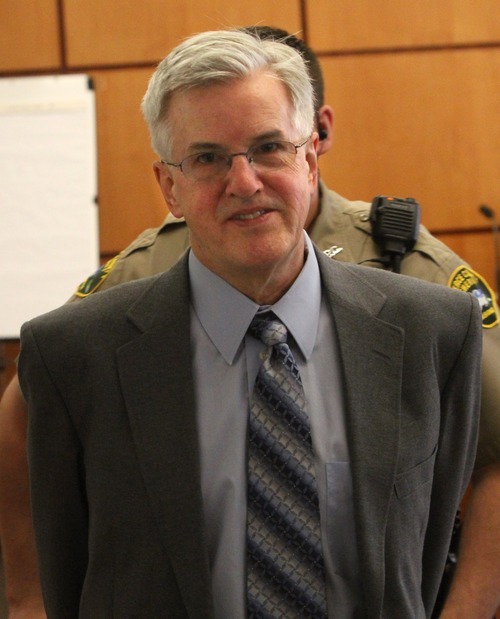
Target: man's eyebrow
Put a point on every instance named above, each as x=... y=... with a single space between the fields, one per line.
x=275 y=134
x=196 y=147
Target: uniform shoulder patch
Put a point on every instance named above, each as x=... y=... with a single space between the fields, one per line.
x=92 y=283
x=468 y=280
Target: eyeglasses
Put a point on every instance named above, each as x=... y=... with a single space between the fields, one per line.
x=214 y=164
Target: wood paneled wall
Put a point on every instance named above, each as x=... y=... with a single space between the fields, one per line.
x=414 y=86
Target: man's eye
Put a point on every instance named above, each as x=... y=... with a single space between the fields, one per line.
x=205 y=158
x=268 y=148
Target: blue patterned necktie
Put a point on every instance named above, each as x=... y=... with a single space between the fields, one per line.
x=285 y=571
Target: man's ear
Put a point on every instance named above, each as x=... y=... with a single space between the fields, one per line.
x=312 y=158
x=325 y=128
x=166 y=182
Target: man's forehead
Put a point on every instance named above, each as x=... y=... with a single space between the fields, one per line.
x=256 y=84
x=239 y=113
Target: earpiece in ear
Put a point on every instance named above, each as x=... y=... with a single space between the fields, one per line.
x=323 y=134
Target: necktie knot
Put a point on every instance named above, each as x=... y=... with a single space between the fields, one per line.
x=269 y=329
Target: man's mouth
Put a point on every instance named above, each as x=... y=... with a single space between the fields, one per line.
x=246 y=216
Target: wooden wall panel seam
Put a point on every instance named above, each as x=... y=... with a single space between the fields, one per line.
x=65 y=69
x=62 y=34
x=407 y=49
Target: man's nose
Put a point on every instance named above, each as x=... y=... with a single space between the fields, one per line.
x=242 y=178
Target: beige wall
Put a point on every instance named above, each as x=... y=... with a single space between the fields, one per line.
x=414 y=85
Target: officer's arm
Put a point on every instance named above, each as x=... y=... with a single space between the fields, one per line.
x=16 y=529
x=475 y=590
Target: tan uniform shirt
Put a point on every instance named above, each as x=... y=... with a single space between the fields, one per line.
x=342 y=225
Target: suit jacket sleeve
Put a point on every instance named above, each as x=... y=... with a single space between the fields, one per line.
x=55 y=450
x=460 y=406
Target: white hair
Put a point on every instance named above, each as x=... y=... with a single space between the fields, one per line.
x=218 y=57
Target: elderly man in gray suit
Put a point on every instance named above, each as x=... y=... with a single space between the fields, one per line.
x=260 y=431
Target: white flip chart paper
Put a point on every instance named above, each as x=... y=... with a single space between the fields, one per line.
x=48 y=194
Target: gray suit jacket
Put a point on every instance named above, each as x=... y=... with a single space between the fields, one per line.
x=114 y=456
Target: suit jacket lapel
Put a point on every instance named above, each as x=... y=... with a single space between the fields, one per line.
x=371 y=352
x=157 y=383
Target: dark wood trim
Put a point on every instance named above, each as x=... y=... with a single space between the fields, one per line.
x=62 y=35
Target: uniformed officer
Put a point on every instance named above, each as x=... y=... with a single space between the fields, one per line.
x=343 y=229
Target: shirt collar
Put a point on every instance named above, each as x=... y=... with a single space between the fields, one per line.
x=225 y=313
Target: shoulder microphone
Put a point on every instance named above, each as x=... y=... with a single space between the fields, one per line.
x=395 y=226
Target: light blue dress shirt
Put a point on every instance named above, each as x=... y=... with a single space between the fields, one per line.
x=226 y=362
